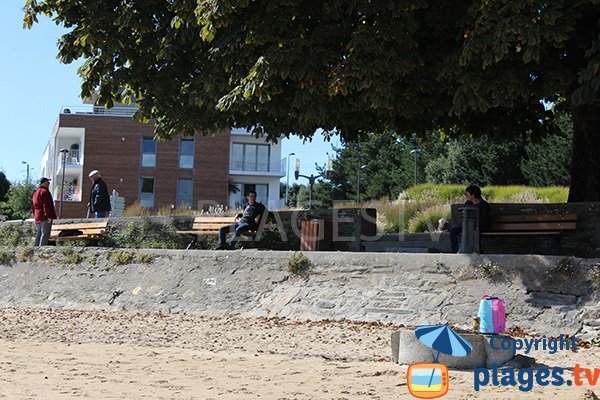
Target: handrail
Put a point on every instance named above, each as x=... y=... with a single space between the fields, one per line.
x=117 y=111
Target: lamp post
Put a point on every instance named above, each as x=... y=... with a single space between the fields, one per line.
x=312 y=178
x=27 y=176
x=416 y=153
x=62 y=185
x=287 y=180
x=358 y=183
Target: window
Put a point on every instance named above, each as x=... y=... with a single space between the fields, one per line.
x=186 y=153
x=249 y=157
x=238 y=199
x=148 y=152
x=147 y=192
x=185 y=191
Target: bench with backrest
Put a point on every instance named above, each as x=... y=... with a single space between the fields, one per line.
x=209 y=226
x=531 y=225
x=78 y=231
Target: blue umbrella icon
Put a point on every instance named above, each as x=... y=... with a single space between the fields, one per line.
x=443 y=339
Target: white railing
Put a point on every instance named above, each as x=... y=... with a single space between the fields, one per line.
x=118 y=111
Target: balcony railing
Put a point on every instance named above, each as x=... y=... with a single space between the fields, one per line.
x=118 y=111
x=71 y=158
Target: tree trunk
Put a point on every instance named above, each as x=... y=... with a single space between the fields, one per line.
x=585 y=166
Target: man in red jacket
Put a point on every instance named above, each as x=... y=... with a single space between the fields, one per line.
x=43 y=212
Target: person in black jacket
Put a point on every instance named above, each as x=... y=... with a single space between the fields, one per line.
x=99 y=204
x=249 y=221
x=474 y=198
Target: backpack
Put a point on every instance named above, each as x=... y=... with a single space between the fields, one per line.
x=69 y=232
x=492 y=315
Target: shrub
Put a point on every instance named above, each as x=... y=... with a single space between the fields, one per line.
x=595 y=276
x=564 y=269
x=298 y=264
x=144 y=258
x=123 y=257
x=25 y=254
x=489 y=270
x=7 y=257
x=148 y=234
x=13 y=235
x=427 y=220
x=71 y=257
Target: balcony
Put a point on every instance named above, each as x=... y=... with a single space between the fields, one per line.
x=247 y=168
x=118 y=111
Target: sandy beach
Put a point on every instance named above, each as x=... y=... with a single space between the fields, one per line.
x=66 y=354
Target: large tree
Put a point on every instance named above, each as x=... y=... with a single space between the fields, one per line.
x=357 y=66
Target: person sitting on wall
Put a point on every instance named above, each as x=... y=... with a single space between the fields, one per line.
x=99 y=204
x=249 y=221
x=474 y=198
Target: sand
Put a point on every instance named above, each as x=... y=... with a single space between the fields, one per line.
x=67 y=354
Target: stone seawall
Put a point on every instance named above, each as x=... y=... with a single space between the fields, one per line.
x=544 y=294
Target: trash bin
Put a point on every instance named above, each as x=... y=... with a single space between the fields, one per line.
x=315 y=235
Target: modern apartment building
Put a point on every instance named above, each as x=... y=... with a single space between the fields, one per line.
x=192 y=172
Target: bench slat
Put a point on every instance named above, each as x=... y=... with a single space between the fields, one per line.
x=522 y=233
x=94 y=225
x=202 y=220
x=535 y=218
x=535 y=226
x=210 y=226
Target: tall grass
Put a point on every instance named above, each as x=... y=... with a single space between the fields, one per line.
x=498 y=194
x=420 y=207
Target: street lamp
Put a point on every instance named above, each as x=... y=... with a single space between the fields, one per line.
x=287 y=179
x=62 y=185
x=416 y=153
x=312 y=178
x=25 y=162
x=358 y=183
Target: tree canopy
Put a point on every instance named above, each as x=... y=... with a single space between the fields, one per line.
x=289 y=67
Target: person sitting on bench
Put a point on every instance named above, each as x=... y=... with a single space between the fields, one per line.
x=474 y=198
x=249 y=221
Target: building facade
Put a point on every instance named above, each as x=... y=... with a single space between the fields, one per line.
x=187 y=172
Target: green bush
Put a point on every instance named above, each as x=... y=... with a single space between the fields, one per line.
x=7 y=257
x=489 y=270
x=25 y=254
x=14 y=235
x=443 y=193
x=148 y=234
x=70 y=256
x=298 y=264
x=427 y=220
x=123 y=257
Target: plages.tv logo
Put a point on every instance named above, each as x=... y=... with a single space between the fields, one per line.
x=430 y=380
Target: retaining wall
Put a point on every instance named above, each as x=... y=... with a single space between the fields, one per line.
x=411 y=289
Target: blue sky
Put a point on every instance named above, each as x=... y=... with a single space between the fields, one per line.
x=34 y=86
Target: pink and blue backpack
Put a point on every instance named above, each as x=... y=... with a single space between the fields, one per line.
x=492 y=315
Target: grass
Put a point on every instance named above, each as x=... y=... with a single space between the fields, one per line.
x=489 y=270
x=298 y=264
x=71 y=257
x=420 y=207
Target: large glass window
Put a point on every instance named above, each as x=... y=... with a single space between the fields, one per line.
x=237 y=199
x=148 y=152
x=186 y=153
x=147 y=192
x=185 y=191
x=249 y=157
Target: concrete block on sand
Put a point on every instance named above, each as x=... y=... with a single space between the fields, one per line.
x=407 y=349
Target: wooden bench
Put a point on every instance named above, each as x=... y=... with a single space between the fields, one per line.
x=89 y=231
x=531 y=225
x=209 y=226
